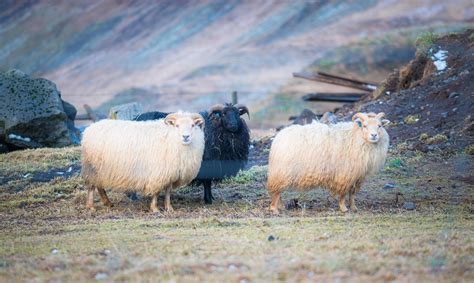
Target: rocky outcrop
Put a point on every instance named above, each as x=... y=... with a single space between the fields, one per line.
x=32 y=113
x=125 y=111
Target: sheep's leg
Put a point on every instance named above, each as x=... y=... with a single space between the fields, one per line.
x=90 y=198
x=168 y=206
x=275 y=205
x=342 y=203
x=352 y=199
x=154 y=203
x=207 y=192
x=103 y=197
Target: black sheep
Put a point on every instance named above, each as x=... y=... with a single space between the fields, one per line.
x=227 y=140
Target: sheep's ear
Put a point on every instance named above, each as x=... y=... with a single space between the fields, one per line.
x=216 y=110
x=385 y=122
x=170 y=120
x=358 y=121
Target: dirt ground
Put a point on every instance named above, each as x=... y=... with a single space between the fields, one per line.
x=415 y=221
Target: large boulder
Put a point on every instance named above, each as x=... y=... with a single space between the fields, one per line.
x=126 y=111
x=33 y=114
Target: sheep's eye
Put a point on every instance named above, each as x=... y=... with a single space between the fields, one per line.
x=192 y=126
x=177 y=126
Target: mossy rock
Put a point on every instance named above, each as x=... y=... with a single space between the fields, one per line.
x=469 y=149
x=411 y=119
x=437 y=139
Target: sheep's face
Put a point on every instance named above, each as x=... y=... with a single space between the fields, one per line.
x=371 y=125
x=228 y=116
x=186 y=125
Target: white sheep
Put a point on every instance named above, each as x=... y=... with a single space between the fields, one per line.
x=145 y=157
x=337 y=157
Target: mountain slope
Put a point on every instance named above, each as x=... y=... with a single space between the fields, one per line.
x=194 y=53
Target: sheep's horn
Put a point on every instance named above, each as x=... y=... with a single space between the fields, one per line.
x=198 y=119
x=242 y=109
x=380 y=115
x=360 y=115
x=216 y=107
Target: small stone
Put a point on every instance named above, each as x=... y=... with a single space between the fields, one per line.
x=292 y=204
x=444 y=114
x=455 y=109
x=408 y=205
x=431 y=147
x=389 y=186
x=101 y=276
x=271 y=238
x=453 y=95
x=54 y=251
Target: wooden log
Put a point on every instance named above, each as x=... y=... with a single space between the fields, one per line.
x=338 y=94
x=324 y=74
x=334 y=81
x=331 y=98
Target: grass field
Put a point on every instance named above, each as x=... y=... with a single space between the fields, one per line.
x=48 y=235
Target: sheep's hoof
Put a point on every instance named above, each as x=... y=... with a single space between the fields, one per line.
x=91 y=208
x=274 y=210
x=343 y=209
x=354 y=208
x=169 y=209
x=109 y=204
x=208 y=199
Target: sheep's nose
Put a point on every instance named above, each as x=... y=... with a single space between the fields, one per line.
x=185 y=137
x=374 y=136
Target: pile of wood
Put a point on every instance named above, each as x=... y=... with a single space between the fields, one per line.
x=323 y=77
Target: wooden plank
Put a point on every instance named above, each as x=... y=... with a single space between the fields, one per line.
x=337 y=94
x=331 y=98
x=347 y=79
x=334 y=81
x=235 y=99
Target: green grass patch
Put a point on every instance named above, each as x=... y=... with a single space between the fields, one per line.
x=38 y=160
x=254 y=174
